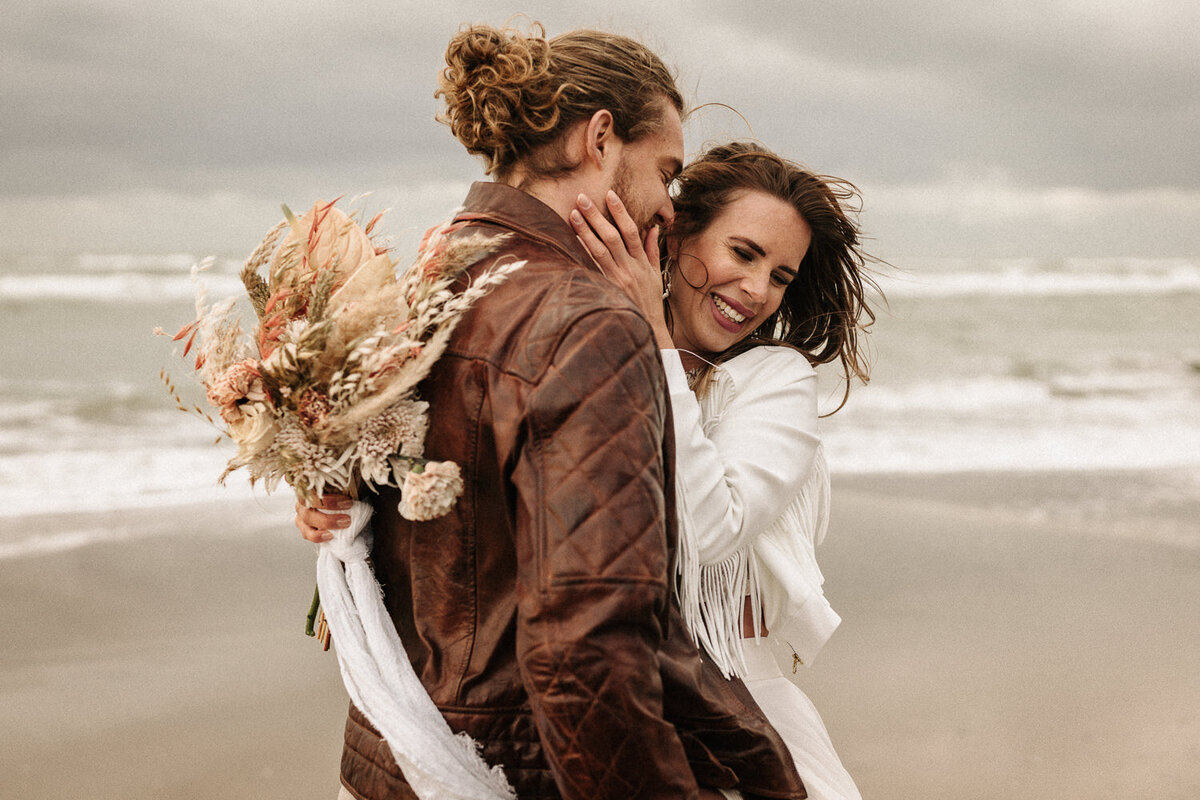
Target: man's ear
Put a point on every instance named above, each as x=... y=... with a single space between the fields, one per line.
x=600 y=138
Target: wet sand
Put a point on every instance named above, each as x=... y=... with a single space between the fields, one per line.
x=168 y=666
x=982 y=655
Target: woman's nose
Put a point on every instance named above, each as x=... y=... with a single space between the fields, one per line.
x=756 y=284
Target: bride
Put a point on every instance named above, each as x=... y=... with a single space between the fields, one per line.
x=763 y=279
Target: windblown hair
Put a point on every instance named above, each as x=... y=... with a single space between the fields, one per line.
x=824 y=311
x=511 y=95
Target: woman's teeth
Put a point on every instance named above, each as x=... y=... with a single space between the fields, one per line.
x=727 y=310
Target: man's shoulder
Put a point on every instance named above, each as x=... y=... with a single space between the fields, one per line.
x=522 y=323
x=571 y=295
x=550 y=272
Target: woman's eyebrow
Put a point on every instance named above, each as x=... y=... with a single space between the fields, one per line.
x=753 y=245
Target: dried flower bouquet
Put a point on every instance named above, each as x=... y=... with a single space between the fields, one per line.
x=322 y=392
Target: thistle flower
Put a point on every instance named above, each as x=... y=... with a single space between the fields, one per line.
x=313 y=408
x=308 y=466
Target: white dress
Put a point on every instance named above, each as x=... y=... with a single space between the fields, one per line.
x=753 y=499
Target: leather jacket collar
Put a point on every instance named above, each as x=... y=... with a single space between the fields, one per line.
x=512 y=208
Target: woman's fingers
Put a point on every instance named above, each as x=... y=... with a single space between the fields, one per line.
x=610 y=238
x=334 y=502
x=625 y=225
x=315 y=525
x=604 y=240
x=596 y=248
x=651 y=245
x=314 y=535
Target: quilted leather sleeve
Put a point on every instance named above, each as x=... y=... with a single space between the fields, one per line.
x=593 y=558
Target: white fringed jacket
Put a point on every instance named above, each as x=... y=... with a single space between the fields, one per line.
x=753 y=503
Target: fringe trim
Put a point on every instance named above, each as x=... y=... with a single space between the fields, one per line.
x=816 y=489
x=712 y=596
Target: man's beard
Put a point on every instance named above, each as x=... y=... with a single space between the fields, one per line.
x=622 y=180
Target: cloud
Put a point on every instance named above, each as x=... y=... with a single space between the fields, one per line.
x=992 y=216
x=1056 y=93
x=106 y=102
x=221 y=223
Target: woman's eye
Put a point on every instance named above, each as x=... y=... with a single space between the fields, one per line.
x=742 y=253
x=781 y=279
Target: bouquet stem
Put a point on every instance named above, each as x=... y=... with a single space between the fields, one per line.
x=310 y=622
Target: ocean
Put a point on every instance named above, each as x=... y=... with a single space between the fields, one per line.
x=1083 y=375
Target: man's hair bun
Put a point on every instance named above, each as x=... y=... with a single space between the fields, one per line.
x=499 y=89
x=511 y=95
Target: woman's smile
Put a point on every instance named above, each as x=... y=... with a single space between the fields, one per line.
x=732 y=276
x=728 y=313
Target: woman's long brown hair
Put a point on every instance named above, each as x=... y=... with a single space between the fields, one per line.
x=824 y=312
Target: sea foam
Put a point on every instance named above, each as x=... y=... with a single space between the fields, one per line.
x=1032 y=278
x=123 y=287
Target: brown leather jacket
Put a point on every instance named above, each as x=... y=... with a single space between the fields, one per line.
x=538 y=613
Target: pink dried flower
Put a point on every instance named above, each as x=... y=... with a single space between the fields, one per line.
x=328 y=238
x=240 y=382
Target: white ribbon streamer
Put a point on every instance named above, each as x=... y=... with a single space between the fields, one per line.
x=436 y=762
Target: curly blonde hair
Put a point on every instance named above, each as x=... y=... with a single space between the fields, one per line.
x=510 y=95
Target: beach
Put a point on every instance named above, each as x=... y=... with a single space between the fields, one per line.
x=1014 y=549
x=170 y=662
x=982 y=654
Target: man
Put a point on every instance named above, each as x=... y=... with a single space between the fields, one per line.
x=538 y=613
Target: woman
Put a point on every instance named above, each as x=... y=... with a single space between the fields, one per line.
x=762 y=279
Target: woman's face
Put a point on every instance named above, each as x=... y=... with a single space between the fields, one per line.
x=731 y=276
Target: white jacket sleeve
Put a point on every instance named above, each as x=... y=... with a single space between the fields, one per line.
x=743 y=468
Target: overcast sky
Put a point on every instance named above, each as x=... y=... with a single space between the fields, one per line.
x=1025 y=128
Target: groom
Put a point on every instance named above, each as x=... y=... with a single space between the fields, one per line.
x=539 y=613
